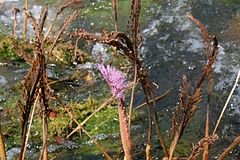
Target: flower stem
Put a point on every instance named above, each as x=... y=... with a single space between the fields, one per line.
x=124 y=130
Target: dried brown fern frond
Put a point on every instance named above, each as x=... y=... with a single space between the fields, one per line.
x=35 y=83
x=204 y=31
x=187 y=107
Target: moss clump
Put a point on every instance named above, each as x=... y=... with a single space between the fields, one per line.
x=6 y=50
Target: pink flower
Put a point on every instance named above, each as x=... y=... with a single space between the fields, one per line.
x=115 y=79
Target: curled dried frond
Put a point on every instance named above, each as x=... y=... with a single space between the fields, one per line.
x=204 y=31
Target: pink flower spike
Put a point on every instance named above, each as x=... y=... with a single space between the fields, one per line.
x=115 y=79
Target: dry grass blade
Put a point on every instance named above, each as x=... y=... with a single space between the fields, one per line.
x=68 y=20
x=89 y=117
x=231 y=147
x=226 y=103
x=197 y=149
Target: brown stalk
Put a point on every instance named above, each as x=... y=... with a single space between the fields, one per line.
x=44 y=152
x=15 y=11
x=88 y=134
x=25 y=20
x=59 y=11
x=124 y=130
x=2 y=146
x=234 y=144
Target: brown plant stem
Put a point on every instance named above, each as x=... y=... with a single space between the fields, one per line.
x=206 y=145
x=15 y=11
x=231 y=147
x=25 y=20
x=160 y=137
x=115 y=8
x=29 y=128
x=44 y=152
x=124 y=130
x=2 y=146
x=149 y=138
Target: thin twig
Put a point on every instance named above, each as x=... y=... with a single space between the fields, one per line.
x=156 y=99
x=2 y=146
x=89 y=117
x=88 y=134
x=231 y=147
x=226 y=103
x=132 y=96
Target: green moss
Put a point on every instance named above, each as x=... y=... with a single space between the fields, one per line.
x=105 y=122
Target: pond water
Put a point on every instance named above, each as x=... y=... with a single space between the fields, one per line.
x=172 y=47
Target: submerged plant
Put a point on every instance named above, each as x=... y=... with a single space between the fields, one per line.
x=117 y=82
